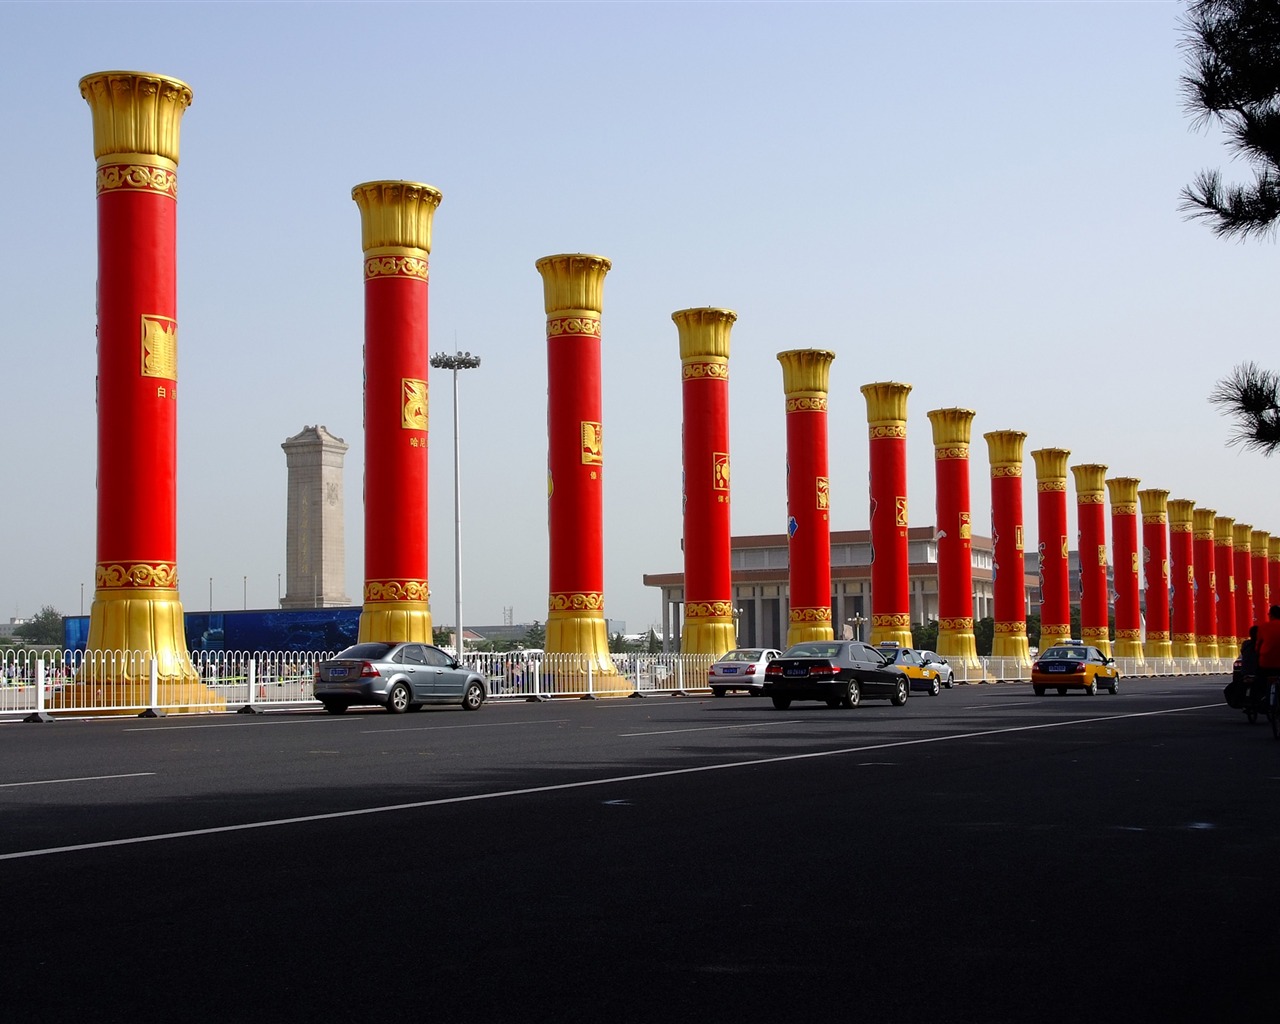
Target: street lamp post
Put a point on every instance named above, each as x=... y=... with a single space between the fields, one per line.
x=456 y=362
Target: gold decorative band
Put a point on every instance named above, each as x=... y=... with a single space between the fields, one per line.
x=1158 y=635
x=576 y=602
x=1203 y=534
x=963 y=624
x=807 y=403
x=715 y=369
x=1000 y=471
x=1155 y=519
x=1056 y=628
x=395 y=590
x=160 y=180
x=810 y=615
x=894 y=619
x=1089 y=498
x=887 y=431
x=944 y=452
x=1011 y=628
x=1208 y=639
x=1051 y=485
x=377 y=267
x=136 y=575
x=1183 y=638
x=1124 y=510
x=1129 y=634
x=1180 y=528
x=572 y=325
x=708 y=610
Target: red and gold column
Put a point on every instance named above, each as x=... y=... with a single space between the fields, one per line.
x=890 y=582
x=1123 y=491
x=395 y=223
x=951 y=433
x=1224 y=564
x=1206 y=584
x=806 y=377
x=708 y=587
x=1091 y=523
x=1004 y=449
x=1273 y=571
x=1155 y=567
x=1242 y=552
x=136 y=608
x=1051 y=505
x=573 y=297
x=1259 y=542
x=1182 y=579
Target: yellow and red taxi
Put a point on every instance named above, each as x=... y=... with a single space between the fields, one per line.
x=1072 y=665
x=923 y=676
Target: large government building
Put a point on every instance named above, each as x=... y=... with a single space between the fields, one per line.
x=760 y=595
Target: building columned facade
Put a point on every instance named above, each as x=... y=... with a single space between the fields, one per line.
x=758 y=566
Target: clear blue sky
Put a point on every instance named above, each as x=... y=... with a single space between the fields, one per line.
x=979 y=199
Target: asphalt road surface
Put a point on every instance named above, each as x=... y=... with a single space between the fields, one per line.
x=984 y=855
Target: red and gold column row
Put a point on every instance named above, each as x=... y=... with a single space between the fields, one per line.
x=1259 y=542
x=1155 y=567
x=1205 y=582
x=951 y=432
x=1123 y=491
x=1273 y=570
x=1004 y=451
x=890 y=583
x=1224 y=565
x=395 y=223
x=704 y=373
x=1185 y=639
x=1051 y=501
x=806 y=375
x=1091 y=520
x=1242 y=579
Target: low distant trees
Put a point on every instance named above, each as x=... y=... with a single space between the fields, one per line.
x=44 y=628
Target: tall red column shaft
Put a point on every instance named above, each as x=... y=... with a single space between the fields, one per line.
x=1051 y=505
x=1206 y=583
x=806 y=383
x=1123 y=492
x=951 y=433
x=1004 y=448
x=1273 y=571
x=1155 y=567
x=1242 y=576
x=1091 y=521
x=1224 y=563
x=1259 y=544
x=1182 y=578
x=396 y=218
x=708 y=586
x=136 y=119
x=890 y=582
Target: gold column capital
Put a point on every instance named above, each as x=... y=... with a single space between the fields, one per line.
x=1259 y=542
x=1273 y=555
x=573 y=281
x=1202 y=522
x=1051 y=464
x=135 y=113
x=886 y=402
x=1123 y=490
x=1222 y=527
x=1181 y=514
x=1004 y=451
x=806 y=371
x=951 y=426
x=1089 y=477
x=1241 y=537
x=704 y=332
x=395 y=214
x=1155 y=502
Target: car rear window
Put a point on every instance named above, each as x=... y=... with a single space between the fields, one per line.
x=741 y=656
x=814 y=649
x=366 y=652
x=1063 y=654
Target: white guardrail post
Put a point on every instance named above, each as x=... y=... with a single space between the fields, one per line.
x=251 y=678
x=40 y=714
x=153 y=709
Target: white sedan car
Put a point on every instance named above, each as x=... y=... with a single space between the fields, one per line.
x=741 y=669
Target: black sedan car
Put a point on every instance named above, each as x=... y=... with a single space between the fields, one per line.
x=399 y=676
x=837 y=672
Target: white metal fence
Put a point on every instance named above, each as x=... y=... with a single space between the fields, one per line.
x=41 y=684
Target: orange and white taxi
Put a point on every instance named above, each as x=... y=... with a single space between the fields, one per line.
x=1071 y=665
x=923 y=677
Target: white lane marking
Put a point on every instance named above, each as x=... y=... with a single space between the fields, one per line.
x=708 y=728
x=504 y=794
x=478 y=725
x=86 y=778
x=988 y=707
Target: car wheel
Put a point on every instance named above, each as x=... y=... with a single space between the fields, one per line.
x=1092 y=688
x=936 y=688
x=717 y=691
x=1114 y=688
x=951 y=678
x=1038 y=690
x=900 y=694
x=782 y=703
x=852 y=695
x=472 y=697
x=335 y=707
x=398 y=699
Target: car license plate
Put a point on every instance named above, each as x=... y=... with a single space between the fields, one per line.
x=797 y=671
x=1057 y=668
x=337 y=673
x=726 y=671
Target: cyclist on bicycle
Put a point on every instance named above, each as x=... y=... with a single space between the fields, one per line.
x=1268 y=654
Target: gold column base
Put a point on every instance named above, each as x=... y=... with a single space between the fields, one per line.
x=129 y=626
x=799 y=632
x=1207 y=647
x=584 y=633
x=1129 y=648
x=1011 y=643
x=712 y=636
x=395 y=622
x=1185 y=649
x=889 y=634
x=1228 y=647
x=1153 y=649
x=1097 y=636
x=960 y=647
x=1054 y=633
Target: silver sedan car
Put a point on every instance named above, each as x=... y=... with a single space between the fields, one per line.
x=399 y=676
x=741 y=669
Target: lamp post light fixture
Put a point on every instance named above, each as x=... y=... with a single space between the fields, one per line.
x=456 y=362
x=857 y=623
